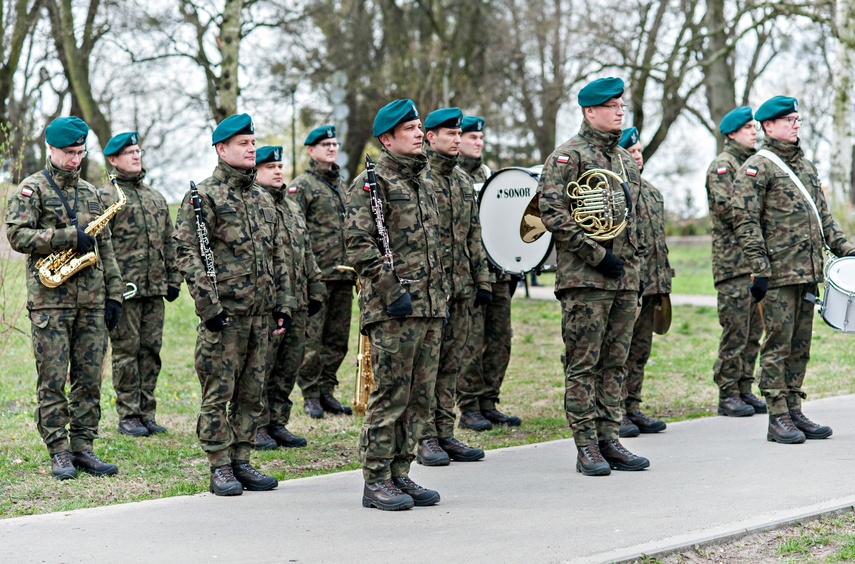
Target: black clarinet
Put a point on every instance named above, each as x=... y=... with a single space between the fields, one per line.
x=377 y=212
x=204 y=242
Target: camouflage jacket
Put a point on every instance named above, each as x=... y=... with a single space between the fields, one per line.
x=412 y=220
x=728 y=261
x=463 y=258
x=320 y=195
x=37 y=225
x=142 y=236
x=245 y=237
x=576 y=252
x=302 y=268
x=651 y=214
x=777 y=229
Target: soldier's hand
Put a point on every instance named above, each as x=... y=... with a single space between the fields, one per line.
x=401 y=307
x=283 y=322
x=172 y=293
x=759 y=287
x=112 y=313
x=314 y=306
x=483 y=297
x=611 y=266
x=85 y=241
x=217 y=323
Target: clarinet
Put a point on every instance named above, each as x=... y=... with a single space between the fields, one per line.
x=204 y=242
x=377 y=212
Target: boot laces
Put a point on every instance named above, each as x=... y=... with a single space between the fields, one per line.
x=798 y=413
x=263 y=434
x=592 y=453
x=389 y=487
x=615 y=444
x=433 y=445
x=225 y=473
x=247 y=467
x=787 y=422
x=284 y=431
x=90 y=454
x=454 y=442
x=641 y=415
x=63 y=459
x=405 y=481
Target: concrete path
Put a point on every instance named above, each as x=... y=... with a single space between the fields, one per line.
x=708 y=478
x=548 y=293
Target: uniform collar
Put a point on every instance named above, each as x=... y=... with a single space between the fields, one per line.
x=227 y=174
x=468 y=164
x=63 y=178
x=439 y=163
x=738 y=150
x=278 y=194
x=787 y=151
x=604 y=139
x=408 y=167
x=130 y=178
x=331 y=174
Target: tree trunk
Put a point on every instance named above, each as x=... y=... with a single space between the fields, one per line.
x=228 y=44
x=840 y=189
x=718 y=77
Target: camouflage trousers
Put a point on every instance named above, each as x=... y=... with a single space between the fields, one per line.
x=283 y=360
x=231 y=366
x=786 y=349
x=136 y=343
x=405 y=358
x=639 y=353
x=741 y=330
x=454 y=337
x=69 y=345
x=327 y=333
x=597 y=329
x=487 y=353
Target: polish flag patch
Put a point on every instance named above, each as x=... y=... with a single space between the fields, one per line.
x=366 y=186
x=721 y=170
x=292 y=189
x=26 y=191
x=751 y=171
x=563 y=159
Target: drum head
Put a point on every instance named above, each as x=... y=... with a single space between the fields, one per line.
x=502 y=203
x=841 y=273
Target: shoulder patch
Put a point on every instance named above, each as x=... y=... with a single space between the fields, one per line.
x=366 y=186
x=563 y=159
x=751 y=171
x=632 y=177
x=721 y=170
x=292 y=189
x=26 y=191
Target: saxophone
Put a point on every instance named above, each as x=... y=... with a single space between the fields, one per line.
x=56 y=268
x=364 y=371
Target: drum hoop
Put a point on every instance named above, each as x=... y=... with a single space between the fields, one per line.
x=830 y=281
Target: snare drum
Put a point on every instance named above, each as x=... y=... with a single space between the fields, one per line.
x=838 y=307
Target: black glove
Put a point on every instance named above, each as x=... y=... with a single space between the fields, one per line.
x=112 y=313
x=759 y=288
x=314 y=306
x=611 y=266
x=284 y=317
x=85 y=241
x=217 y=323
x=483 y=297
x=171 y=293
x=401 y=307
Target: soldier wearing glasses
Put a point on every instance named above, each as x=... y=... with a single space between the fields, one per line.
x=145 y=253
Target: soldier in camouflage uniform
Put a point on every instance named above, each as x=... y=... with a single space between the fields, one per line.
x=598 y=283
x=319 y=193
x=142 y=242
x=286 y=351
x=488 y=350
x=401 y=306
x=782 y=236
x=48 y=213
x=739 y=316
x=251 y=284
x=465 y=264
x=656 y=283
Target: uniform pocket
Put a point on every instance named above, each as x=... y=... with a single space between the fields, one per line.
x=39 y=319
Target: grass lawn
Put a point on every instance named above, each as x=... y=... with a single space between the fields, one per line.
x=678 y=386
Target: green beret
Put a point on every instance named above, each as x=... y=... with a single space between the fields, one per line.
x=319 y=134
x=120 y=141
x=268 y=154
x=628 y=138
x=600 y=91
x=734 y=119
x=393 y=114
x=237 y=124
x=66 y=132
x=472 y=123
x=444 y=117
x=776 y=107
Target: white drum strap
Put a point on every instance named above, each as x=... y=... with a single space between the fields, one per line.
x=780 y=164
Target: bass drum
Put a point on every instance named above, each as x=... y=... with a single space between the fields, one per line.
x=502 y=202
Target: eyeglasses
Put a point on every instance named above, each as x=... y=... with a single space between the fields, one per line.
x=133 y=152
x=329 y=145
x=79 y=154
x=755 y=125
x=793 y=120
x=614 y=107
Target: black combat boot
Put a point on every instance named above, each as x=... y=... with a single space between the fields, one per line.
x=782 y=430
x=61 y=466
x=132 y=426
x=590 y=462
x=251 y=479
x=734 y=406
x=646 y=424
x=153 y=427
x=475 y=421
x=312 y=407
x=628 y=428
x=429 y=453
x=263 y=441
x=385 y=495
x=87 y=461
x=809 y=428
x=759 y=404
x=223 y=481
x=284 y=437
x=619 y=458
x=460 y=452
x=496 y=417
x=332 y=405
x=422 y=497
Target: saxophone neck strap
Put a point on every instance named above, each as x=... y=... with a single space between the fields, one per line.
x=72 y=214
